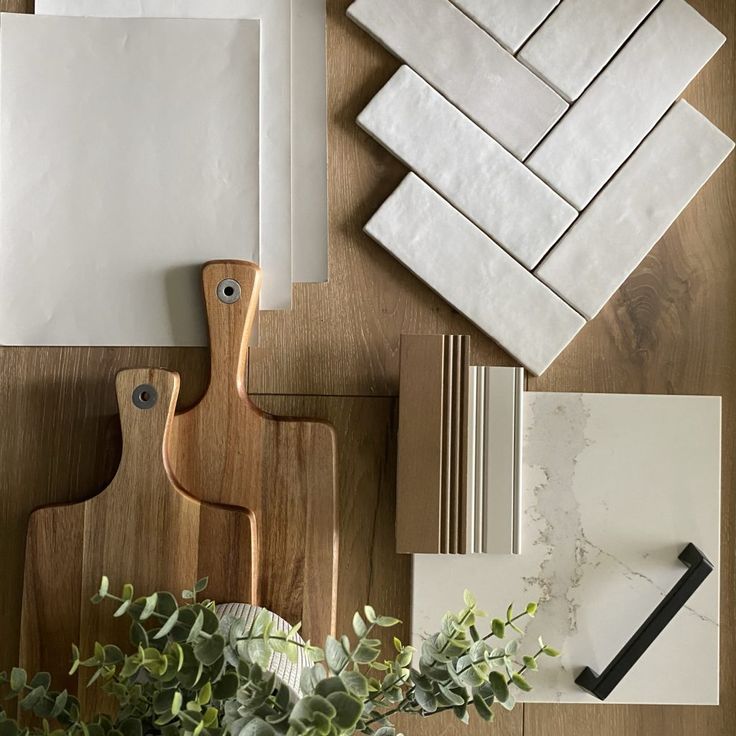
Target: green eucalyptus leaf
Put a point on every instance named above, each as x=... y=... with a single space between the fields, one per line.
x=498 y=684
x=498 y=628
x=386 y=622
x=520 y=682
x=348 y=710
x=530 y=663
x=226 y=687
x=335 y=655
x=196 y=629
x=425 y=700
x=41 y=679
x=165 y=630
x=550 y=651
x=201 y=584
x=531 y=609
x=18 y=679
x=469 y=599
x=33 y=698
x=359 y=625
x=356 y=683
x=370 y=614
x=149 y=606
x=208 y=651
x=482 y=708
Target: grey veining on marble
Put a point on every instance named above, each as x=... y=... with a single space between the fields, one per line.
x=510 y=22
x=467 y=167
x=614 y=488
x=625 y=102
x=579 y=39
x=439 y=42
x=610 y=239
x=483 y=282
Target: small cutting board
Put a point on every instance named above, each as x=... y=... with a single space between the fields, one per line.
x=227 y=451
x=143 y=529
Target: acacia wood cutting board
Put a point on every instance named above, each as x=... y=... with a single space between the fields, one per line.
x=141 y=529
x=228 y=451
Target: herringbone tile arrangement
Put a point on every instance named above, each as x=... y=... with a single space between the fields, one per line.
x=548 y=147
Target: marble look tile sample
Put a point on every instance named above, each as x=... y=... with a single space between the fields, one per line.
x=579 y=39
x=614 y=489
x=467 y=167
x=510 y=23
x=625 y=102
x=456 y=259
x=631 y=214
x=467 y=66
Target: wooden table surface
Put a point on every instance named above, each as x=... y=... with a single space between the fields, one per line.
x=671 y=329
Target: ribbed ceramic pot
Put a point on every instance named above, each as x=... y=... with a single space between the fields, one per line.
x=289 y=672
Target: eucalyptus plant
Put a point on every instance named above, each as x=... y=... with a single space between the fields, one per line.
x=191 y=672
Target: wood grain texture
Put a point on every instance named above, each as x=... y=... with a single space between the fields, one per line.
x=226 y=450
x=671 y=329
x=142 y=528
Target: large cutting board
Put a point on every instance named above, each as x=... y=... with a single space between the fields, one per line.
x=225 y=450
x=141 y=529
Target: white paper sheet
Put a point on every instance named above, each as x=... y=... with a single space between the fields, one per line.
x=307 y=121
x=129 y=156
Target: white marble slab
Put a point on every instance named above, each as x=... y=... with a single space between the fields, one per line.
x=625 y=102
x=467 y=167
x=474 y=274
x=618 y=229
x=614 y=488
x=579 y=39
x=467 y=66
x=510 y=22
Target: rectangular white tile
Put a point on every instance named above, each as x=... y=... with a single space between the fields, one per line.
x=615 y=233
x=510 y=22
x=579 y=39
x=625 y=102
x=462 y=264
x=467 y=66
x=467 y=167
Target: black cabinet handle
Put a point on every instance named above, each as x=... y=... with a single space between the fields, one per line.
x=699 y=567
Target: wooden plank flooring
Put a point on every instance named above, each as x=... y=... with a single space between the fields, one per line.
x=671 y=329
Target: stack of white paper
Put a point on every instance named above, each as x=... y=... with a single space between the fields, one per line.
x=138 y=144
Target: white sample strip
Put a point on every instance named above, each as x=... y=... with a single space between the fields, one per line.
x=467 y=66
x=625 y=102
x=294 y=134
x=475 y=275
x=309 y=239
x=579 y=39
x=467 y=167
x=631 y=214
x=614 y=489
x=510 y=22
x=104 y=234
x=495 y=396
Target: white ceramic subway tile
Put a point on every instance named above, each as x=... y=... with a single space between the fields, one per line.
x=467 y=167
x=509 y=22
x=465 y=64
x=579 y=39
x=456 y=259
x=614 y=488
x=625 y=102
x=635 y=209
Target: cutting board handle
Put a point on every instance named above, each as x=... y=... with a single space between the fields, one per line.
x=147 y=400
x=231 y=293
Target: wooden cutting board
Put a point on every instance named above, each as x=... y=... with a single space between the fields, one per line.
x=225 y=450
x=141 y=529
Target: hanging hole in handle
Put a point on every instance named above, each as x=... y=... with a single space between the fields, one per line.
x=145 y=396
x=228 y=291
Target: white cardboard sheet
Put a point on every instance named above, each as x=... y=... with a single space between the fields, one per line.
x=305 y=121
x=129 y=156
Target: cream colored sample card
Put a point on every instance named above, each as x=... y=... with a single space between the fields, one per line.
x=129 y=157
